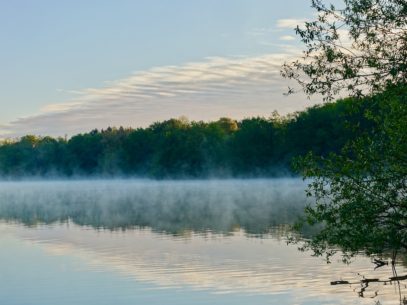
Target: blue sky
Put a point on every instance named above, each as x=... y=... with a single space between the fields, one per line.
x=62 y=62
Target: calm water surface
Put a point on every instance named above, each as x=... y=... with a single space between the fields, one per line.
x=184 y=242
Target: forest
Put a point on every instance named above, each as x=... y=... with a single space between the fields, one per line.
x=178 y=148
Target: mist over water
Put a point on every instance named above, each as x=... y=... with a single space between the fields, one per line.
x=218 y=206
x=178 y=242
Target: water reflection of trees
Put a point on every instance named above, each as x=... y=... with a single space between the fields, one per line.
x=367 y=287
x=173 y=208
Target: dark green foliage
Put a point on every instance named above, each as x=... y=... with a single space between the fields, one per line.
x=361 y=193
x=32 y=156
x=177 y=148
x=85 y=152
x=250 y=155
x=137 y=151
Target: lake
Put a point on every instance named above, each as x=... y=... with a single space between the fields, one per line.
x=169 y=242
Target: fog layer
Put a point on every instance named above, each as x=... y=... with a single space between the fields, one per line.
x=173 y=207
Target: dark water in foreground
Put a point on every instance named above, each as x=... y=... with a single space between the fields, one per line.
x=143 y=242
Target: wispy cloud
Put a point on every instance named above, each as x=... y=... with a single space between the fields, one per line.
x=287 y=38
x=283 y=30
x=236 y=87
x=290 y=23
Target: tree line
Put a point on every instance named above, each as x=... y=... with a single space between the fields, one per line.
x=178 y=148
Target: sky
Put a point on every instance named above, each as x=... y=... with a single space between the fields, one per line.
x=71 y=66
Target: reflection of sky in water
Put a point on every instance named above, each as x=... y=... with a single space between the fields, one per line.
x=30 y=275
x=71 y=264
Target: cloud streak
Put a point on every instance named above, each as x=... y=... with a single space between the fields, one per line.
x=237 y=87
x=290 y=23
x=287 y=38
